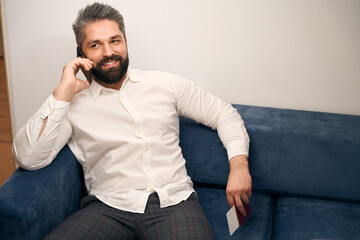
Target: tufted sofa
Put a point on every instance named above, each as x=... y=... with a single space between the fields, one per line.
x=305 y=168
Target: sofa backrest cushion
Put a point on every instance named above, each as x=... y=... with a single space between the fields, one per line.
x=291 y=152
x=206 y=158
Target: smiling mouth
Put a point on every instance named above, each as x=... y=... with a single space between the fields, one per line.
x=110 y=64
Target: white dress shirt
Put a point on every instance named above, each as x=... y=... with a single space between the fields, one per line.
x=127 y=141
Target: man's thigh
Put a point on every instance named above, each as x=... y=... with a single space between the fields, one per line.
x=93 y=221
x=184 y=221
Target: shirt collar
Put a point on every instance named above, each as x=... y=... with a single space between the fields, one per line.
x=96 y=87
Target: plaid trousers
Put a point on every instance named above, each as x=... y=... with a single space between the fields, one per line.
x=96 y=220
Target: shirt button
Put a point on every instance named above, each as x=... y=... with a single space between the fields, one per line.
x=146 y=149
x=138 y=131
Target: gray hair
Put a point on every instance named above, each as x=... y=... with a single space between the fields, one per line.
x=92 y=13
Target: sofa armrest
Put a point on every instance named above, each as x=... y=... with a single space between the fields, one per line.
x=32 y=203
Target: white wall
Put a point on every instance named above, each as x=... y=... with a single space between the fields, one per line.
x=297 y=54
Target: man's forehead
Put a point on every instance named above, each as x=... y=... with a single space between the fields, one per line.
x=102 y=30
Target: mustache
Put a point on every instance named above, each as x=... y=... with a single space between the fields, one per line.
x=113 y=57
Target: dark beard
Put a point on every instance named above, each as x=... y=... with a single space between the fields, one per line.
x=114 y=74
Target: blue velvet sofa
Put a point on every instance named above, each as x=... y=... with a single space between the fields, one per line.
x=305 y=168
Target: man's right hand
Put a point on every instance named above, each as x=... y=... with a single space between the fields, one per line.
x=70 y=85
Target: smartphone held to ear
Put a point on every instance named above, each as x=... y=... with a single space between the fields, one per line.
x=88 y=74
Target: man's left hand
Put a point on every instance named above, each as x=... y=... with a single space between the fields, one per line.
x=238 y=189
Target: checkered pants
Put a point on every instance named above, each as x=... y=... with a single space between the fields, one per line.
x=95 y=220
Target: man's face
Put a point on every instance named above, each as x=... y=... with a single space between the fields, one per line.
x=105 y=45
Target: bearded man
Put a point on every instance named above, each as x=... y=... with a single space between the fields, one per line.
x=123 y=128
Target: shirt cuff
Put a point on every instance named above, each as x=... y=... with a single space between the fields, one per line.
x=57 y=109
x=237 y=147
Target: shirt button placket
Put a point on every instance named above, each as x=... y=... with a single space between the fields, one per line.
x=151 y=179
x=147 y=169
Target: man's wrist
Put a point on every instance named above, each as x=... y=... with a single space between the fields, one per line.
x=239 y=161
x=62 y=93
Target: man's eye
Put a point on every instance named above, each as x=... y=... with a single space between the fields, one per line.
x=94 y=45
x=115 y=41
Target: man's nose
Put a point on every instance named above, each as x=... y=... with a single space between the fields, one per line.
x=107 y=50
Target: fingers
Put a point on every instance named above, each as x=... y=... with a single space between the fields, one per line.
x=239 y=201
x=70 y=84
x=77 y=63
x=231 y=200
x=238 y=196
x=87 y=64
x=240 y=206
x=71 y=69
x=245 y=199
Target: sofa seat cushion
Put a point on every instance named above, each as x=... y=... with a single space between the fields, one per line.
x=258 y=226
x=28 y=198
x=306 y=218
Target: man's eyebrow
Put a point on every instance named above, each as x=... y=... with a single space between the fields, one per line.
x=116 y=36
x=93 y=41
x=98 y=40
